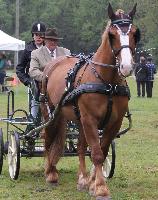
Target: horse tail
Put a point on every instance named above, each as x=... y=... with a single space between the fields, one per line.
x=55 y=140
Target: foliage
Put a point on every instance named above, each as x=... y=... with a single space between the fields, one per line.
x=80 y=22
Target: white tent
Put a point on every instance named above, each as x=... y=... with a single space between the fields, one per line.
x=8 y=42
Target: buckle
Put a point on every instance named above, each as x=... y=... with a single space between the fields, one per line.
x=116 y=89
x=110 y=88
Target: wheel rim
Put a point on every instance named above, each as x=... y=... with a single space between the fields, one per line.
x=13 y=156
x=107 y=165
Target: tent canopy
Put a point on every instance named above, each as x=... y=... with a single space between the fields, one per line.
x=8 y=42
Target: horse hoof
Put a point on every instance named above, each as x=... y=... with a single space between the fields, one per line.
x=82 y=188
x=53 y=184
x=91 y=193
x=103 y=198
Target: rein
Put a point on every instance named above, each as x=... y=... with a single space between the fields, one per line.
x=101 y=64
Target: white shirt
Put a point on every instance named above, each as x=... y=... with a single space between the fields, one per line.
x=54 y=53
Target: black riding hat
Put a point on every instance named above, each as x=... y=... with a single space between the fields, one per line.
x=38 y=27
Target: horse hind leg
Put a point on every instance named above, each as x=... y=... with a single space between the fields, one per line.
x=82 y=183
x=54 y=143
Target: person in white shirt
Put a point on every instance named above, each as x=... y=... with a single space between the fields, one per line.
x=40 y=57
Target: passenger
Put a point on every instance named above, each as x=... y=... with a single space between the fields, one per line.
x=22 y=70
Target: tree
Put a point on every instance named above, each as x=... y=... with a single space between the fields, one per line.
x=80 y=22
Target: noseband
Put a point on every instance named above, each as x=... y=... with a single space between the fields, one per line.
x=117 y=51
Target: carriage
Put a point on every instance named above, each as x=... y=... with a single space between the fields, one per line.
x=16 y=143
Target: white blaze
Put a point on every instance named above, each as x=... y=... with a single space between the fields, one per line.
x=125 y=52
x=126 y=60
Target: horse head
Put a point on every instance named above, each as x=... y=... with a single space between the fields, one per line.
x=123 y=37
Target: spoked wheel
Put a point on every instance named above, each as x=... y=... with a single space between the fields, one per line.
x=14 y=155
x=1 y=149
x=109 y=163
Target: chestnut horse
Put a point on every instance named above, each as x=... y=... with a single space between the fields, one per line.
x=98 y=97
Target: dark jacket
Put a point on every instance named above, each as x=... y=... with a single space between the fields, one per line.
x=2 y=70
x=22 y=68
x=151 y=70
x=141 y=72
x=2 y=65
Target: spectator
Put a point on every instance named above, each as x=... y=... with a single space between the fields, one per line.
x=151 y=70
x=141 y=76
x=2 y=70
x=9 y=64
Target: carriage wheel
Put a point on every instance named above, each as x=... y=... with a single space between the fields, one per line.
x=1 y=150
x=109 y=163
x=14 y=155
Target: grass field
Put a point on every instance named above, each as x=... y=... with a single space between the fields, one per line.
x=136 y=173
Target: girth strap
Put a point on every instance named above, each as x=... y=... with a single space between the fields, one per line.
x=107 y=116
x=100 y=88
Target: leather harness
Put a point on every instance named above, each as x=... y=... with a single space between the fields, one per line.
x=102 y=88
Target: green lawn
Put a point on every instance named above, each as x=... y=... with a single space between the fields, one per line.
x=136 y=173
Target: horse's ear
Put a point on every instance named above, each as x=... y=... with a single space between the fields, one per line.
x=133 y=11
x=111 y=13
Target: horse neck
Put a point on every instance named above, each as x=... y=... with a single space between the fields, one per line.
x=105 y=55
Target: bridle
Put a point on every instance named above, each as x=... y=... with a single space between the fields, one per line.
x=117 y=24
x=115 y=51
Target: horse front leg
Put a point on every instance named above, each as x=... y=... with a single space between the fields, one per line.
x=97 y=184
x=82 y=183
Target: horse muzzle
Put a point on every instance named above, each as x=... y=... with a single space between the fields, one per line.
x=125 y=70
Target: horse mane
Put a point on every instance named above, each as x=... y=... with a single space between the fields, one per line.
x=120 y=13
x=105 y=33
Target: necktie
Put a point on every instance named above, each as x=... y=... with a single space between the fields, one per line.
x=52 y=54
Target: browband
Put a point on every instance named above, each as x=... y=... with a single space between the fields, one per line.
x=122 y=21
